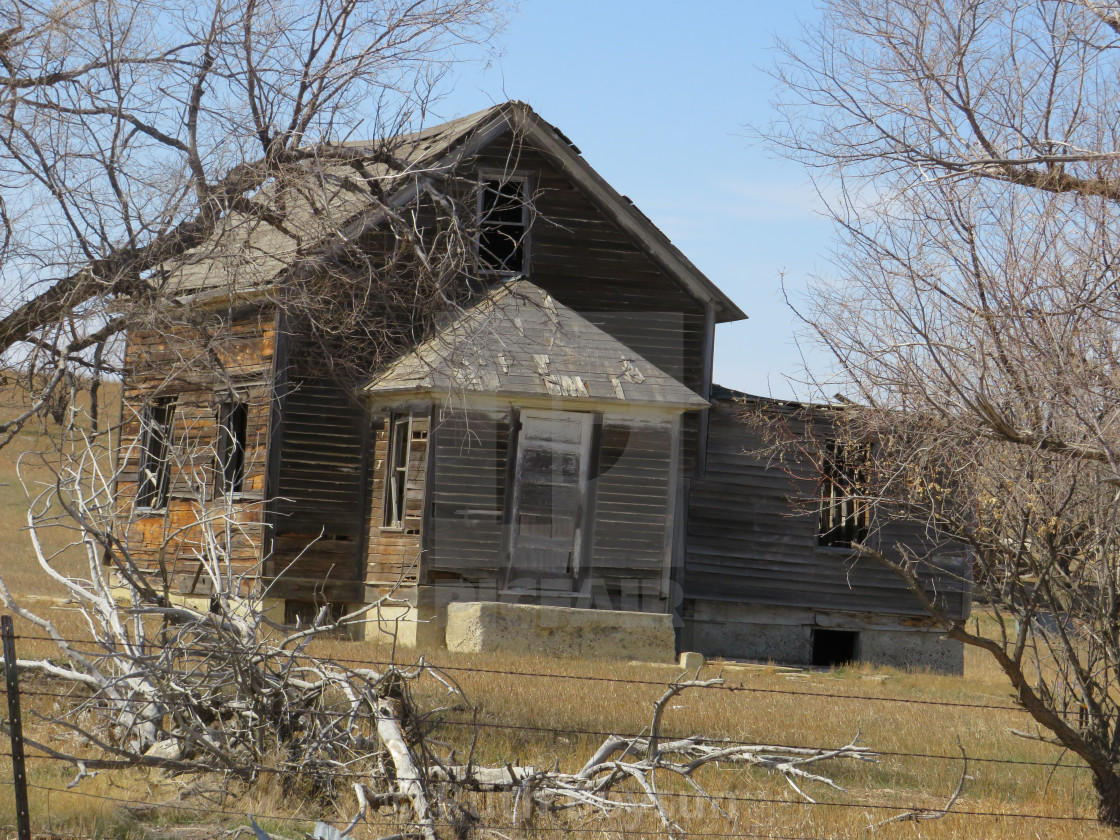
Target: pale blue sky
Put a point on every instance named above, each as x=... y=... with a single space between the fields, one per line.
x=657 y=96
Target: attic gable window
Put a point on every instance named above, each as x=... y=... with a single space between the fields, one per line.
x=229 y=468
x=396 y=469
x=155 y=452
x=503 y=223
x=843 y=512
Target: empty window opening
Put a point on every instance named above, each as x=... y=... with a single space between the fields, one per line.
x=155 y=452
x=232 y=425
x=844 y=511
x=396 y=478
x=503 y=222
x=834 y=647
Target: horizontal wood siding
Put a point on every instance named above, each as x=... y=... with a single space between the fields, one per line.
x=196 y=368
x=320 y=493
x=752 y=539
x=468 y=496
x=585 y=261
x=632 y=499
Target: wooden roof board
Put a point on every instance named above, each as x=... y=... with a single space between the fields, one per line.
x=248 y=255
x=518 y=340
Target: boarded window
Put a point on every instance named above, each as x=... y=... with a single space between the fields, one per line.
x=503 y=222
x=396 y=478
x=230 y=456
x=155 y=451
x=844 y=510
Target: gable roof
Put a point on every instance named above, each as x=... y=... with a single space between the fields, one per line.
x=621 y=210
x=519 y=341
x=247 y=255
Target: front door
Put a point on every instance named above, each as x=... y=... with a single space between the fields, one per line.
x=549 y=497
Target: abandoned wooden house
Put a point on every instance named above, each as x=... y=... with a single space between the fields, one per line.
x=769 y=568
x=546 y=452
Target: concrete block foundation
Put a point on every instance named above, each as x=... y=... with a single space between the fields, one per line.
x=491 y=627
x=805 y=637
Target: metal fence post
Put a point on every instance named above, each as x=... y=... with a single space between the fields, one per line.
x=15 y=728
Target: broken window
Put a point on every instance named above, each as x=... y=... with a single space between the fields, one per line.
x=229 y=469
x=503 y=223
x=155 y=452
x=396 y=478
x=844 y=510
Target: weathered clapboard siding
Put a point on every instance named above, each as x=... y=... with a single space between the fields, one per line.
x=632 y=496
x=317 y=459
x=752 y=539
x=584 y=260
x=179 y=365
x=320 y=504
x=393 y=557
x=471 y=448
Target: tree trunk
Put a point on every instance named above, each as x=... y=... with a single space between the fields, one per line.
x=1107 y=784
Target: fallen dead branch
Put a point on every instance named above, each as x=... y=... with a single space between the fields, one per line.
x=620 y=766
x=218 y=688
x=926 y=814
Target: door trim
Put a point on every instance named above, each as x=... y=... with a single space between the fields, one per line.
x=579 y=557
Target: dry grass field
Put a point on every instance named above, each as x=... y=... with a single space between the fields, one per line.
x=547 y=712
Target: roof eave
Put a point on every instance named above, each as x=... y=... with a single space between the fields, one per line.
x=372 y=392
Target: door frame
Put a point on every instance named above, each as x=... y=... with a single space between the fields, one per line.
x=580 y=554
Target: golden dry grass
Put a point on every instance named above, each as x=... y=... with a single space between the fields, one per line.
x=781 y=706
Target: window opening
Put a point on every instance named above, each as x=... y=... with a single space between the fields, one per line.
x=400 y=436
x=844 y=512
x=232 y=425
x=834 y=647
x=155 y=450
x=503 y=222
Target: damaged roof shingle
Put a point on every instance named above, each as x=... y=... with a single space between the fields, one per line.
x=518 y=340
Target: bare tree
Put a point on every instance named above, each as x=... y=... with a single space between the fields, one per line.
x=220 y=689
x=969 y=155
x=170 y=171
x=133 y=133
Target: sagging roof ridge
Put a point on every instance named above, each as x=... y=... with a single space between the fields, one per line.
x=721 y=393
x=445 y=145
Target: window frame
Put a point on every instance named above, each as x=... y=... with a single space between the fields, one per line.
x=525 y=179
x=844 y=517
x=153 y=485
x=395 y=498
x=232 y=436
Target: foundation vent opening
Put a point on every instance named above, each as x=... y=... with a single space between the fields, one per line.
x=834 y=647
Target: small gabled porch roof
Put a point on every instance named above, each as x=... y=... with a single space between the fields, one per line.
x=518 y=341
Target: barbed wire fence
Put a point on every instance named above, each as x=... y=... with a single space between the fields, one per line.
x=20 y=785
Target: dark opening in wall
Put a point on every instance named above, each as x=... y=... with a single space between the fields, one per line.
x=834 y=647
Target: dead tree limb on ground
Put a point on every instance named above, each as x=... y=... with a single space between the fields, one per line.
x=926 y=814
x=622 y=767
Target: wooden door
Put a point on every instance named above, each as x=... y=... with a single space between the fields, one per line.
x=550 y=492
